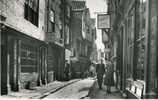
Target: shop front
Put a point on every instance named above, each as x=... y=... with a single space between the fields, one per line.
x=140 y=47
x=23 y=61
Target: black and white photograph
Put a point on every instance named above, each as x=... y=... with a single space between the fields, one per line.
x=78 y=49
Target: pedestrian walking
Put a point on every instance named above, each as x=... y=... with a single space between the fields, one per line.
x=67 y=71
x=109 y=78
x=100 y=69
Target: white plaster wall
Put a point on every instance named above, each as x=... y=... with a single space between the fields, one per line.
x=13 y=10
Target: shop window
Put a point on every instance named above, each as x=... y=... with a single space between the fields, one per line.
x=31 y=11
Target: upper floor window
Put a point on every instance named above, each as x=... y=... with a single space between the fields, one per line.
x=31 y=11
x=52 y=16
x=88 y=29
x=68 y=11
x=67 y=38
x=52 y=20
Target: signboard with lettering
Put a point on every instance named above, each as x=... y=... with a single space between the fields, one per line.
x=103 y=21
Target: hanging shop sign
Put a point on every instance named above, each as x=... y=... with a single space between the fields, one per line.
x=103 y=21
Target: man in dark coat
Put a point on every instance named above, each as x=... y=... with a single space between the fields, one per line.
x=109 y=79
x=100 y=69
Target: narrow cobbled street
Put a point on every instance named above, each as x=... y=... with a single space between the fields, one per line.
x=79 y=49
x=76 y=90
x=85 y=89
x=96 y=93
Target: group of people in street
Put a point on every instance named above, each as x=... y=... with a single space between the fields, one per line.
x=105 y=74
x=104 y=71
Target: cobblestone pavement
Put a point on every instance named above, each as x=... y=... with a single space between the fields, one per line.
x=77 y=90
x=74 y=89
x=96 y=93
x=41 y=91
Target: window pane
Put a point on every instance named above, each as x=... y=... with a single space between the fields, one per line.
x=26 y=11
x=31 y=11
x=67 y=34
x=52 y=16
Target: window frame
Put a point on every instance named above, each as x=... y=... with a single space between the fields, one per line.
x=51 y=22
x=31 y=11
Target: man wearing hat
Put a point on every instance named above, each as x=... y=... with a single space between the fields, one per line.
x=100 y=70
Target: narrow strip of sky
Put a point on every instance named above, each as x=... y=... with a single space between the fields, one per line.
x=97 y=6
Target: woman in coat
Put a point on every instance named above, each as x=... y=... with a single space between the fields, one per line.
x=109 y=78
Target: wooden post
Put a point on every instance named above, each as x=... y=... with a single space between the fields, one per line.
x=0 y=58
x=124 y=52
x=4 y=65
x=157 y=48
x=45 y=65
x=121 y=57
x=147 y=46
x=18 y=63
x=8 y=67
x=39 y=83
x=14 y=65
x=42 y=65
x=136 y=31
